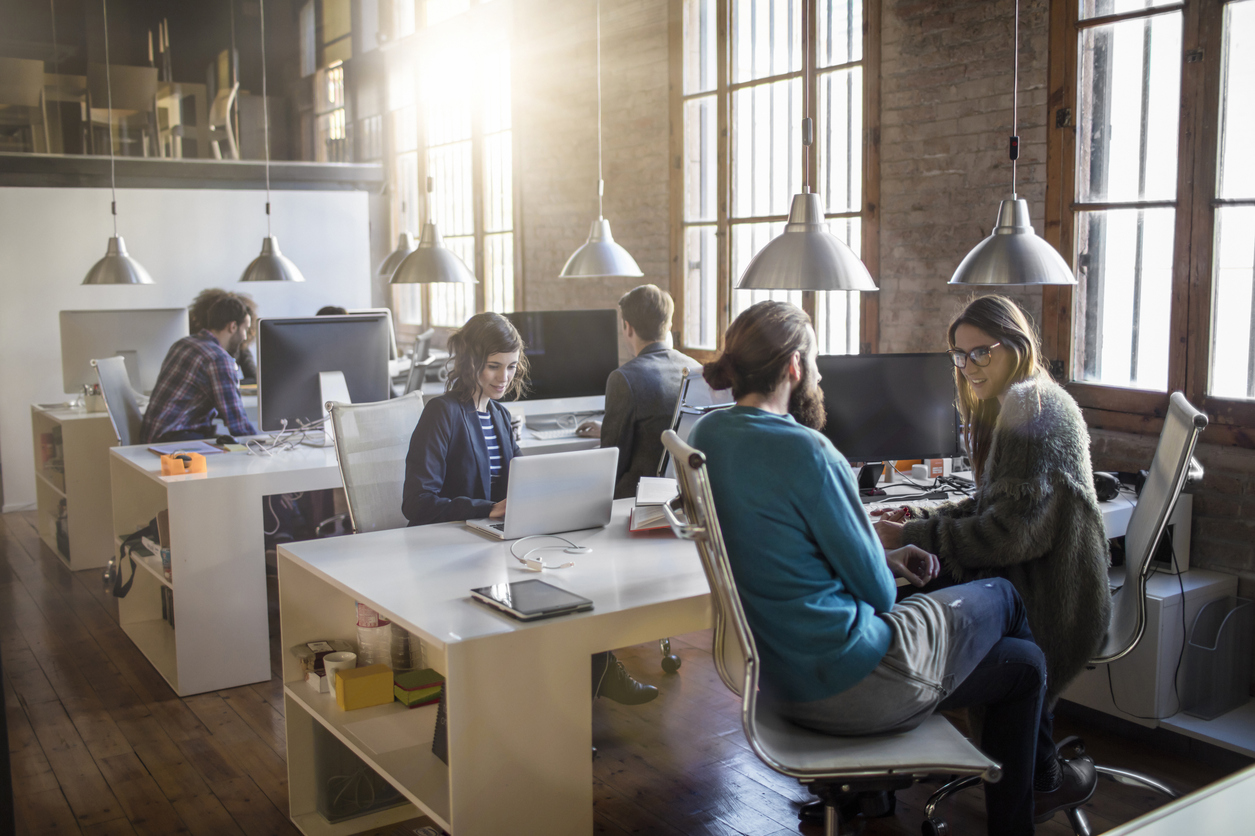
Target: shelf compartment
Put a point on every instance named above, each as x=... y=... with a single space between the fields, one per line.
x=155 y=639
x=413 y=769
x=50 y=483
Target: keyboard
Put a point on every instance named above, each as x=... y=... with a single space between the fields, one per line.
x=560 y=432
x=893 y=506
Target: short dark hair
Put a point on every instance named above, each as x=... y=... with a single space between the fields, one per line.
x=331 y=310
x=483 y=335
x=648 y=309
x=226 y=310
x=758 y=347
x=198 y=311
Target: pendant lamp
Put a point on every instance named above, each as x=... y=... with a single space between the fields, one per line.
x=431 y=262
x=271 y=265
x=600 y=256
x=405 y=246
x=117 y=267
x=806 y=256
x=1013 y=253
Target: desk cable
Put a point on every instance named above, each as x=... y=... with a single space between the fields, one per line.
x=536 y=564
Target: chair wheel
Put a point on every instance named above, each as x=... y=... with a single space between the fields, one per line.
x=935 y=827
x=671 y=663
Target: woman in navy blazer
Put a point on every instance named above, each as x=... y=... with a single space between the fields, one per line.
x=448 y=471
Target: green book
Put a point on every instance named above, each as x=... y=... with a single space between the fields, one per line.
x=415 y=688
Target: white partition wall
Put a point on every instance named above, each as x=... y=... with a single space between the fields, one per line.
x=188 y=239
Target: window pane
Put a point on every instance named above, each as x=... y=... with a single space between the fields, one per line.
x=700 y=46
x=452 y=206
x=495 y=80
x=498 y=182
x=839 y=132
x=839 y=25
x=1233 y=317
x=1237 y=129
x=701 y=298
x=499 y=272
x=438 y=10
x=747 y=240
x=1102 y=8
x=407 y=303
x=407 y=206
x=453 y=304
x=837 y=313
x=766 y=148
x=700 y=149
x=1129 y=107
x=766 y=38
x=1124 y=297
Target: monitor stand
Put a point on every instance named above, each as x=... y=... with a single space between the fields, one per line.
x=332 y=388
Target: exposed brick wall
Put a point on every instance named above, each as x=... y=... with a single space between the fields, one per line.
x=945 y=117
x=555 y=117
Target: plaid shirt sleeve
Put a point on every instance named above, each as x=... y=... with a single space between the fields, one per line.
x=224 y=383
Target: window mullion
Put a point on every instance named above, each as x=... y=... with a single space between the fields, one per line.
x=723 y=157
x=810 y=82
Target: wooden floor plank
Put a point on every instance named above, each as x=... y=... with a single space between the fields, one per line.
x=85 y=788
x=148 y=810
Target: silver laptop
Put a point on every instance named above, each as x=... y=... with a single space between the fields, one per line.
x=556 y=492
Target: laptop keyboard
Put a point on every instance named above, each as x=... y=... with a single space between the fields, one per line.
x=561 y=432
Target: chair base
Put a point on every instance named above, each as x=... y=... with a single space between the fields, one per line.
x=670 y=662
x=845 y=801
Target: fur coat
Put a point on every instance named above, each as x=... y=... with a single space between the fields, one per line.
x=1034 y=521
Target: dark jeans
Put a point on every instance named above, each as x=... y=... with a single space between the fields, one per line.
x=997 y=665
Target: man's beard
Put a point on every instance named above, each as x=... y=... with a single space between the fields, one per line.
x=806 y=404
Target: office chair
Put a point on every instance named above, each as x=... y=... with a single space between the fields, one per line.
x=22 y=85
x=121 y=401
x=420 y=361
x=372 y=440
x=134 y=96
x=846 y=772
x=1171 y=467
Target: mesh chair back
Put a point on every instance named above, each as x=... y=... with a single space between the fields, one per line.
x=1168 y=471
x=372 y=440
x=120 y=399
x=696 y=398
x=934 y=747
x=420 y=361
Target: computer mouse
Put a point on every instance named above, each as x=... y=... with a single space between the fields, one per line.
x=226 y=439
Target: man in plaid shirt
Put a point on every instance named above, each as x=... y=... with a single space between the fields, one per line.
x=199 y=380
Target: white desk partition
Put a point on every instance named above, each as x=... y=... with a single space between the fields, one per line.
x=519 y=712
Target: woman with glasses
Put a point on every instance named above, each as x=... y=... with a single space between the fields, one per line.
x=1034 y=517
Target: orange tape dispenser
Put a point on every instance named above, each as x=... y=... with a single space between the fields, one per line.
x=181 y=464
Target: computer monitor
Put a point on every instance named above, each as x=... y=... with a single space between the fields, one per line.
x=140 y=336
x=292 y=352
x=569 y=353
x=885 y=407
x=394 y=352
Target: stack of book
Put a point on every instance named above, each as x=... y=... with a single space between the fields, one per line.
x=652 y=494
x=415 y=688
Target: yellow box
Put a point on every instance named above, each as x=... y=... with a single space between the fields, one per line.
x=363 y=687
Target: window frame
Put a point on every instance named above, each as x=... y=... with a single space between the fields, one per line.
x=499 y=14
x=869 y=303
x=1189 y=357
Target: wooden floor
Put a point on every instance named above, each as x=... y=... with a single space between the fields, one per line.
x=101 y=745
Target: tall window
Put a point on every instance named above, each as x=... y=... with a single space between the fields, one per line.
x=742 y=68
x=450 y=93
x=1159 y=205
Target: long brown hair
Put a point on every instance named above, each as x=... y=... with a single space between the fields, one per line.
x=1006 y=323
x=482 y=336
x=758 y=347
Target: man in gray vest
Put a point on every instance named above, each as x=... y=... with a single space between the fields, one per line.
x=641 y=394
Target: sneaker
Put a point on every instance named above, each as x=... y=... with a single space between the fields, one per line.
x=617 y=684
x=1079 y=780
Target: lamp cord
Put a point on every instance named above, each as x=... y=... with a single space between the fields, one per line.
x=808 y=77
x=265 y=109
x=1015 y=102
x=113 y=183
x=601 y=183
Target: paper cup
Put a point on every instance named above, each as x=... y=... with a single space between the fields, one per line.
x=338 y=661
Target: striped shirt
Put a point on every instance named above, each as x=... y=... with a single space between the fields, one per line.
x=494 y=449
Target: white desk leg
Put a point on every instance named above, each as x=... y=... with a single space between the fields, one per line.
x=520 y=734
x=218 y=559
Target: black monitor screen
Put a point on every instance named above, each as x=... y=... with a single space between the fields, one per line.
x=291 y=353
x=569 y=353
x=885 y=407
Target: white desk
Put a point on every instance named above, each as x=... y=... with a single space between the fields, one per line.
x=72 y=483
x=217 y=554
x=519 y=711
x=1225 y=807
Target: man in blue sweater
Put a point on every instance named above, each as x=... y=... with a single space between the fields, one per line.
x=818 y=590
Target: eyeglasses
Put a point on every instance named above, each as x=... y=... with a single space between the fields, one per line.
x=979 y=356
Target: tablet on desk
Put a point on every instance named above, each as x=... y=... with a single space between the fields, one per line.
x=531 y=599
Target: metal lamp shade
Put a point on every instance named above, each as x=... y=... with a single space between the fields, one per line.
x=405 y=246
x=600 y=257
x=271 y=265
x=1013 y=254
x=432 y=262
x=117 y=267
x=806 y=256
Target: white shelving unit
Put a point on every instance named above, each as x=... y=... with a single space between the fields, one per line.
x=73 y=468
